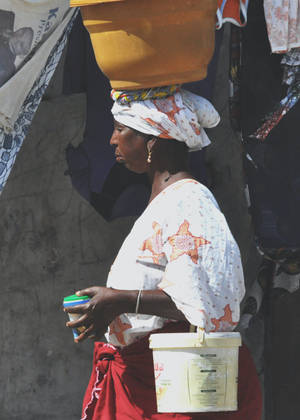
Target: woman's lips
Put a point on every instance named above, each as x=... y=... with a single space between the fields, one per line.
x=119 y=158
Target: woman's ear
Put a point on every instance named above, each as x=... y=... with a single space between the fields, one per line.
x=151 y=143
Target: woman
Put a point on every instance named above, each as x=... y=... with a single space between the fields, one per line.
x=179 y=264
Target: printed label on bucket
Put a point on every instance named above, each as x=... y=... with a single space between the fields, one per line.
x=207 y=381
x=196 y=379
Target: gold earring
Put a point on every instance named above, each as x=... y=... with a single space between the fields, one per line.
x=149 y=156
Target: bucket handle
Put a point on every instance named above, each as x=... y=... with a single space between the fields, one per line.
x=200 y=334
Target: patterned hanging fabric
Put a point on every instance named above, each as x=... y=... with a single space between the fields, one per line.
x=283 y=24
x=291 y=78
x=32 y=30
x=233 y=11
x=12 y=140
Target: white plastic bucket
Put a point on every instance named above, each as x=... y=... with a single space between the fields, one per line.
x=196 y=372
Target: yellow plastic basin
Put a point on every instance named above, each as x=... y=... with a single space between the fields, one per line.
x=147 y=43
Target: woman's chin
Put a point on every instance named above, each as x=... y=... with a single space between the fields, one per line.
x=134 y=169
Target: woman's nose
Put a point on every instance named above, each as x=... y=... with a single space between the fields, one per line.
x=114 y=139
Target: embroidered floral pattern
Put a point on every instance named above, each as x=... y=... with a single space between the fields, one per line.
x=225 y=322
x=199 y=264
x=163 y=132
x=169 y=107
x=195 y=127
x=117 y=327
x=183 y=242
x=154 y=244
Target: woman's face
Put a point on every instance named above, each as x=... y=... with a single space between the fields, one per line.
x=131 y=149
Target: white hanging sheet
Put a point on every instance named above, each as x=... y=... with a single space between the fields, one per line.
x=29 y=30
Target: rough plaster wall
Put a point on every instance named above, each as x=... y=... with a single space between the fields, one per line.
x=53 y=242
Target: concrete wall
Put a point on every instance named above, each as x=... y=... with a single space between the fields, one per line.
x=53 y=242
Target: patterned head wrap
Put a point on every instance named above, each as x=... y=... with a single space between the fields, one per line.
x=169 y=112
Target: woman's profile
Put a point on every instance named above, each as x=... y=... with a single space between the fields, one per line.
x=179 y=265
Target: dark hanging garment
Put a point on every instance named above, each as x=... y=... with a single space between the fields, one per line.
x=273 y=175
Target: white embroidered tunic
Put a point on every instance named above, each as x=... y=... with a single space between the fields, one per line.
x=182 y=245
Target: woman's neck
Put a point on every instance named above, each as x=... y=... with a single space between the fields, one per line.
x=161 y=180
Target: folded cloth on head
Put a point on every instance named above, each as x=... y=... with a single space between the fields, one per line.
x=181 y=116
x=34 y=29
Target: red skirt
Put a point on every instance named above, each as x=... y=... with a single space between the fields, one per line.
x=122 y=385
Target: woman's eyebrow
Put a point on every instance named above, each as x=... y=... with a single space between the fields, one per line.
x=118 y=125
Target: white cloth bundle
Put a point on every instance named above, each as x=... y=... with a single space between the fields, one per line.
x=29 y=30
x=181 y=116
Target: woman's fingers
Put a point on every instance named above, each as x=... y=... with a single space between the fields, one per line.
x=85 y=334
x=80 y=322
x=94 y=316
x=78 y=309
x=90 y=291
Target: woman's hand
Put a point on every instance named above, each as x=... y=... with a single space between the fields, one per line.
x=105 y=304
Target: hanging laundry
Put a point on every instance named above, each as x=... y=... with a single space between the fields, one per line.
x=254 y=297
x=287 y=260
x=291 y=77
x=233 y=11
x=29 y=30
x=273 y=173
x=235 y=78
x=283 y=24
x=11 y=142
